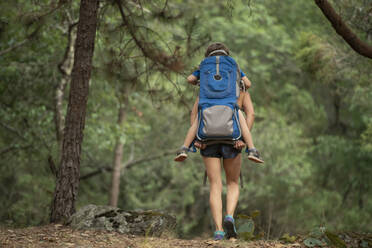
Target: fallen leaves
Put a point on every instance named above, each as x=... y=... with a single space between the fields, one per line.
x=57 y=236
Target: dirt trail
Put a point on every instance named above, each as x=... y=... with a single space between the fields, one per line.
x=58 y=236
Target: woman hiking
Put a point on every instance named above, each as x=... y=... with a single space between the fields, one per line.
x=230 y=153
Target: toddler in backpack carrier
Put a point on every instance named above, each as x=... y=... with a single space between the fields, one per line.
x=219 y=90
x=219 y=119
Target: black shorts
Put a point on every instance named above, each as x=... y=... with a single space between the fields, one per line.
x=220 y=151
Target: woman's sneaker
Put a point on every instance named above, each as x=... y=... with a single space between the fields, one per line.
x=181 y=154
x=229 y=226
x=218 y=235
x=254 y=155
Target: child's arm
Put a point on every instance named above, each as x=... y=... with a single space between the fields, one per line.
x=194 y=111
x=191 y=79
x=194 y=77
x=246 y=81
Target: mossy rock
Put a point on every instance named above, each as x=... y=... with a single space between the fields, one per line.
x=148 y=223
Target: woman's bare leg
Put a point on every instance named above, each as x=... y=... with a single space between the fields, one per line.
x=213 y=168
x=232 y=171
x=245 y=130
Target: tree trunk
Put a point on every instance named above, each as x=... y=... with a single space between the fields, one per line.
x=65 y=68
x=343 y=30
x=118 y=157
x=63 y=205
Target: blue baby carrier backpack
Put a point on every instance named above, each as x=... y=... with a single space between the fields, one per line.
x=218 y=119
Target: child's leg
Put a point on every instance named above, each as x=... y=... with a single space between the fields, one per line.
x=190 y=136
x=252 y=153
x=245 y=130
x=182 y=152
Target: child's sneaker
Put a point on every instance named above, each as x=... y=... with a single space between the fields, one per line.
x=218 y=235
x=181 y=154
x=254 y=155
x=229 y=226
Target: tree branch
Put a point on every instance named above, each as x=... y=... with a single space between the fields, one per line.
x=13 y=130
x=7 y=149
x=127 y=165
x=21 y=43
x=130 y=164
x=15 y=46
x=65 y=67
x=11 y=148
x=96 y=172
x=38 y=16
x=343 y=30
x=52 y=166
x=172 y=62
x=71 y=37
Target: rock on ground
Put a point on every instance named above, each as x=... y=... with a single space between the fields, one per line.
x=106 y=218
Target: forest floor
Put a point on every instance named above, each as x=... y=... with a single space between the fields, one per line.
x=58 y=236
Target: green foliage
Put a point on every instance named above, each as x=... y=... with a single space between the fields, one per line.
x=313 y=242
x=334 y=240
x=288 y=238
x=246 y=226
x=322 y=237
x=246 y=230
x=367 y=138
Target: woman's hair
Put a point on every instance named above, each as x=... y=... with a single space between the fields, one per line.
x=217 y=46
